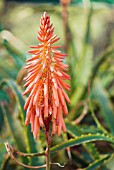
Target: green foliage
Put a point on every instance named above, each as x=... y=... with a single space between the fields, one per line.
x=82 y=139
x=28 y=141
x=17 y=56
x=89 y=142
x=105 y=104
x=97 y=163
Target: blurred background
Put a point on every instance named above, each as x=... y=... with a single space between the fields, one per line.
x=86 y=31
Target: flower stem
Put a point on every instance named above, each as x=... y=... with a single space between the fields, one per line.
x=48 y=151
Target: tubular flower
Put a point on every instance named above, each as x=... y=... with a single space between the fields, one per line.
x=45 y=83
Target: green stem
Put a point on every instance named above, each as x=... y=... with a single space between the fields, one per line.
x=48 y=151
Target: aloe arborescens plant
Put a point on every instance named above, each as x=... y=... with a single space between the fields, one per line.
x=46 y=85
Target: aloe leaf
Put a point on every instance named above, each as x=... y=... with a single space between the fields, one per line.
x=1 y=119
x=105 y=104
x=83 y=75
x=17 y=55
x=110 y=163
x=7 y=68
x=96 y=164
x=107 y=79
x=91 y=148
x=3 y=98
x=73 y=129
x=82 y=139
x=18 y=95
x=76 y=131
x=6 y=73
x=16 y=129
x=101 y=59
x=83 y=65
x=71 y=60
x=89 y=129
x=32 y=145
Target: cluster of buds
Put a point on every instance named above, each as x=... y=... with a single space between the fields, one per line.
x=46 y=103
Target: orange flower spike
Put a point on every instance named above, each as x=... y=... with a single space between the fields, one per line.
x=45 y=83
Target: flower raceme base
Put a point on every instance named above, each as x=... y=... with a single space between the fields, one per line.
x=46 y=103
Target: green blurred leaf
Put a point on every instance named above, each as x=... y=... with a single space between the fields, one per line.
x=3 y=98
x=104 y=102
x=83 y=65
x=101 y=59
x=82 y=139
x=34 y=146
x=7 y=68
x=17 y=55
x=89 y=129
x=18 y=95
x=95 y=165
x=1 y=119
x=97 y=1
x=31 y=144
x=75 y=131
x=110 y=163
x=16 y=129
